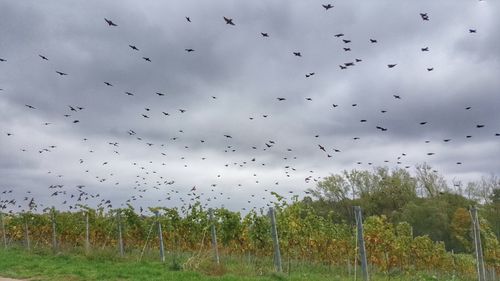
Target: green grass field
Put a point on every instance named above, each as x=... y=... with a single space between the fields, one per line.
x=43 y=265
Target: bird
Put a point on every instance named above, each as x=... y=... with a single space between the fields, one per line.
x=61 y=73
x=281 y=99
x=264 y=34
x=424 y=16
x=327 y=6
x=430 y=68
x=29 y=106
x=43 y=57
x=339 y=35
x=189 y=50
x=397 y=96
x=146 y=59
x=391 y=65
x=108 y=84
x=133 y=47
x=297 y=54
x=229 y=21
x=472 y=31
x=3 y=60
x=110 y=23
x=425 y=49
x=188 y=19
x=373 y=41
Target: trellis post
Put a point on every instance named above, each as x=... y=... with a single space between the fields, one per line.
x=274 y=233
x=361 y=242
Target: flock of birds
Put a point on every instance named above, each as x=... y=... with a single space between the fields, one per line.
x=150 y=179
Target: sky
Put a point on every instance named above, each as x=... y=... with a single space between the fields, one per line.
x=169 y=103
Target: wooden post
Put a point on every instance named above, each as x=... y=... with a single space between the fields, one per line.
x=87 y=233
x=214 y=235
x=26 y=235
x=274 y=233
x=160 y=236
x=361 y=242
x=477 y=244
x=54 y=233
x=120 y=238
x=4 y=235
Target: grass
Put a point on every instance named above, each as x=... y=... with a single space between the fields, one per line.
x=43 y=265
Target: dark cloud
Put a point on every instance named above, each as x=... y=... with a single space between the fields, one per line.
x=229 y=83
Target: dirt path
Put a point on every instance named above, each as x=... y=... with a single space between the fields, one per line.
x=9 y=279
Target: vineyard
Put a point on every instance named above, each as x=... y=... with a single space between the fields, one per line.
x=305 y=238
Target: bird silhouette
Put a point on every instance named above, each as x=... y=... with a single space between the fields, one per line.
x=229 y=21
x=110 y=23
x=327 y=6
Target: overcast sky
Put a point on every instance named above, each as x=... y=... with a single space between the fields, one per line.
x=252 y=121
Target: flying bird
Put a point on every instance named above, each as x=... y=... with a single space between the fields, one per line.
x=229 y=21
x=133 y=47
x=110 y=23
x=188 y=19
x=264 y=34
x=327 y=6
x=61 y=73
x=43 y=57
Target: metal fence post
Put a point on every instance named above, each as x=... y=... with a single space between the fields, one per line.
x=361 y=242
x=160 y=236
x=274 y=233
x=26 y=235
x=4 y=235
x=214 y=235
x=120 y=238
x=54 y=233
x=87 y=233
x=477 y=244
